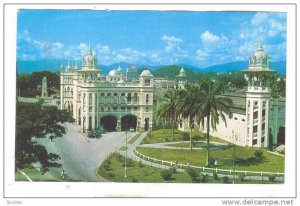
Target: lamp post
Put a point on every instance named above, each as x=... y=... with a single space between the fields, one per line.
x=234 y=139
x=125 y=175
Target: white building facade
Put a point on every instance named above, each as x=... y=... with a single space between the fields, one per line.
x=258 y=119
x=109 y=101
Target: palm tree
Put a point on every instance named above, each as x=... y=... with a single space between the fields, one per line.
x=213 y=107
x=168 y=108
x=188 y=105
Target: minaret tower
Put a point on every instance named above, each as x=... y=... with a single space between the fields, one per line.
x=258 y=98
x=181 y=79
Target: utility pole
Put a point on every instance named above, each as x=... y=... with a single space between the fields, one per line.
x=125 y=175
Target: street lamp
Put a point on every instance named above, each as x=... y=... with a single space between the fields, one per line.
x=125 y=175
x=234 y=136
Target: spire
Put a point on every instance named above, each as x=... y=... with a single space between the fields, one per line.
x=90 y=49
x=259 y=48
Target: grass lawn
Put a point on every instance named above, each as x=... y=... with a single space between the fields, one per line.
x=244 y=160
x=187 y=145
x=113 y=170
x=134 y=138
x=34 y=175
x=159 y=136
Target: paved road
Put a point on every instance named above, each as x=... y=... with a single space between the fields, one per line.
x=81 y=156
x=168 y=145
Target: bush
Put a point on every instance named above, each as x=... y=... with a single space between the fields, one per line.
x=196 y=137
x=166 y=174
x=192 y=172
x=106 y=167
x=272 y=178
x=204 y=178
x=166 y=139
x=242 y=178
x=258 y=154
x=215 y=175
x=225 y=180
x=134 y=179
x=185 y=136
x=173 y=169
x=141 y=164
x=111 y=175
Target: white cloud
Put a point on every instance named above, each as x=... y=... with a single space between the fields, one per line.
x=259 y=18
x=103 y=49
x=171 y=42
x=208 y=37
x=201 y=55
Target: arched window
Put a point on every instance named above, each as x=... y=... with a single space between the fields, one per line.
x=135 y=98
x=147 y=82
x=108 y=98
x=115 y=98
x=129 y=98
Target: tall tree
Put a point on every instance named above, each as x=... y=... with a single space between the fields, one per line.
x=168 y=109
x=33 y=122
x=189 y=104
x=213 y=107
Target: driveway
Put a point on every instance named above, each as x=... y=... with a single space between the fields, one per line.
x=81 y=156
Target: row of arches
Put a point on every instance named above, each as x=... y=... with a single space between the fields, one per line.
x=110 y=123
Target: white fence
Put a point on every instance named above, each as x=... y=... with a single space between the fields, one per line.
x=206 y=169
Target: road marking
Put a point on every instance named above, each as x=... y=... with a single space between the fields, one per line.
x=28 y=178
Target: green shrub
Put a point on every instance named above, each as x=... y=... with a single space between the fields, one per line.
x=225 y=180
x=185 y=136
x=204 y=178
x=258 y=154
x=134 y=179
x=166 y=139
x=215 y=175
x=272 y=178
x=242 y=177
x=166 y=174
x=192 y=172
x=173 y=169
x=196 y=137
x=106 y=167
x=141 y=164
x=110 y=175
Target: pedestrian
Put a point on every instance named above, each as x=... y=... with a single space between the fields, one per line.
x=62 y=174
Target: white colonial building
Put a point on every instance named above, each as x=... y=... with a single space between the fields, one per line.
x=110 y=101
x=258 y=118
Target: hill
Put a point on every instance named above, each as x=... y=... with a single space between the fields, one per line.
x=53 y=65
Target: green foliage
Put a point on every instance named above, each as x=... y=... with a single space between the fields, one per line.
x=33 y=121
x=185 y=136
x=28 y=83
x=192 y=172
x=258 y=154
x=166 y=174
x=242 y=177
x=173 y=169
x=272 y=178
x=215 y=176
x=141 y=164
x=225 y=179
x=204 y=178
x=135 y=180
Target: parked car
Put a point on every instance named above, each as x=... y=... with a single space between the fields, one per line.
x=131 y=129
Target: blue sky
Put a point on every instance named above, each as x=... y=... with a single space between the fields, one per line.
x=149 y=37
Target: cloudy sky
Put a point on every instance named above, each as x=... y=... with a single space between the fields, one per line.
x=149 y=37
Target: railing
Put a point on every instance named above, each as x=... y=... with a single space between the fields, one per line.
x=204 y=169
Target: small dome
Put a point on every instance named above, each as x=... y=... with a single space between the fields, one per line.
x=113 y=73
x=119 y=70
x=146 y=73
x=182 y=72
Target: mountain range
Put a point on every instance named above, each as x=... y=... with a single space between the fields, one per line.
x=53 y=65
